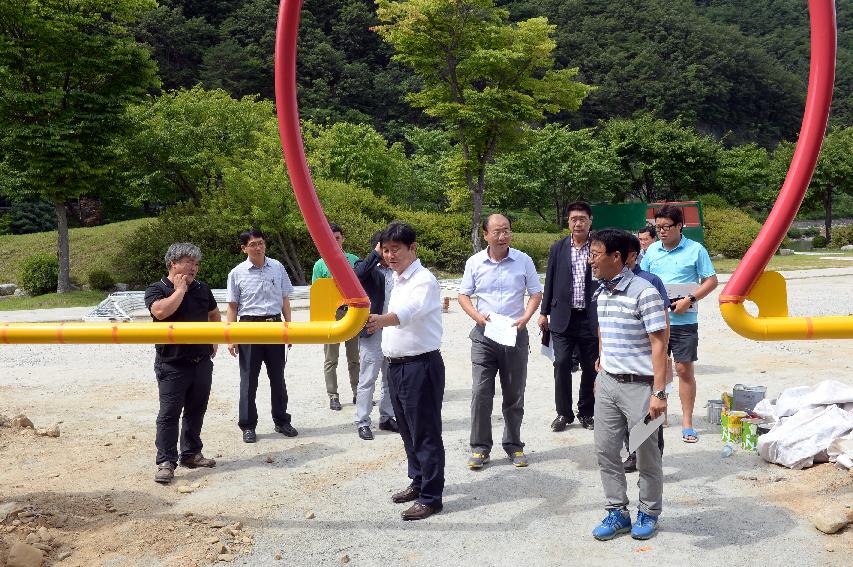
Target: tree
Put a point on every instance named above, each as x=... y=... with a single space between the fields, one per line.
x=662 y=160
x=556 y=166
x=178 y=143
x=744 y=177
x=359 y=155
x=833 y=174
x=483 y=77
x=68 y=69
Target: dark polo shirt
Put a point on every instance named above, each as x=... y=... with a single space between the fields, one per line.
x=198 y=302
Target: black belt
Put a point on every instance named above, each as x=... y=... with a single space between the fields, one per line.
x=261 y=318
x=405 y=359
x=579 y=310
x=627 y=378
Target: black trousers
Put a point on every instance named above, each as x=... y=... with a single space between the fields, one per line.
x=417 y=391
x=182 y=386
x=580 y=334
x=274 y=358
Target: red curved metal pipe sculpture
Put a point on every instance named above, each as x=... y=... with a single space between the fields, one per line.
x=821 y=79
x=294 y=153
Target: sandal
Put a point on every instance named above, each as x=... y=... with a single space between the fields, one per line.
x=688 y=435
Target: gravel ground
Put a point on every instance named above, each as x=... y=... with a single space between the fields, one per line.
x=323 y=498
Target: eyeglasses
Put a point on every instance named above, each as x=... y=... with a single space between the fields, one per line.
x=257 y=244
x=596 y=255
x=664 y=227
x=500 y=233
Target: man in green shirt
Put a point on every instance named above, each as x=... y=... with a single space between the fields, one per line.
x=332 y=352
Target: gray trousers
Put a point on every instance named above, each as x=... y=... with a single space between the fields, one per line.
x=489 y=358
x=618 y=407
x=372 y=362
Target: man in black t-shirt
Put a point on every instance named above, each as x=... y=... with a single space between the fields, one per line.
x=184 y=372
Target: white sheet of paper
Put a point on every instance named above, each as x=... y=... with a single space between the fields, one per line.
x=641 y=432
x=548 y=351
x=501 y=330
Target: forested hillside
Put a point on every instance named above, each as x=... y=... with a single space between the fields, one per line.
x=735 y=68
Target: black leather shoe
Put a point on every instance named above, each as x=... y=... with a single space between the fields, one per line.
x=335 y=404
x=287 y=430
x=630 y=464
x=419 y=511
x=560 y=423
x=411 y=493
x=365 y=433
x=587 y=422
x=249 y=436
x=389 y=424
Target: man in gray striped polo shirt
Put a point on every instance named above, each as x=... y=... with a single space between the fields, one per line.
x=630 y=385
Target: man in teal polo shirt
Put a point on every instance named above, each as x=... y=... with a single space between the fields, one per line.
x=332 y=352
x=676 y=259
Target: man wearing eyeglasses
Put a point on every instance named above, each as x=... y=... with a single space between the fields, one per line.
x=259 y=291
x=499 y=276
x=567 y=313
x=676 y=259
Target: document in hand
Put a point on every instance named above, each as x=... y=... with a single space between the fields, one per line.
x=642 y=430
x=501 y=330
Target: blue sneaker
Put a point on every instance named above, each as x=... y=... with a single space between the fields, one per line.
x=645 y=526
x=616 y=522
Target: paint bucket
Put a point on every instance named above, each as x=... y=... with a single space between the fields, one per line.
x=715 y=411
x=746 y=397
x=749 y=433
x=733 y=426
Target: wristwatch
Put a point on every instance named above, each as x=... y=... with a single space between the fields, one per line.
x=692 y=298
x=660 y=394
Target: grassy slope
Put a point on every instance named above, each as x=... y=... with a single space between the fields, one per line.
x=91 y=248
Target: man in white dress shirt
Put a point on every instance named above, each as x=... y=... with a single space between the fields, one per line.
x=410 y=342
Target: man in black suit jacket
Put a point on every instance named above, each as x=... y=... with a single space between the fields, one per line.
x=567 y=312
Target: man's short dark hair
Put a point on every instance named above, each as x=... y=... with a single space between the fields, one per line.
x=487 y=217
x=336 y=228
x=399 y=231
x=671 y=212
x=649 y=229
x=634 y=244
x=375 y=239
x=614 y=240
x=247 y=235
x=580 y=206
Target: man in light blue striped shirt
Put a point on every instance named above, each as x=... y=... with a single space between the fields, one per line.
x=630 y=385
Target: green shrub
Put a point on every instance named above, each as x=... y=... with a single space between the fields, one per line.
x=819 y=241
x=32 y=216
x=811 y=231
x=842 y=236
x=533 y=224
x=535 y=245
x=443 y=238
x=101 y=280
x=713 y=200
x=795 y=233
x=729 y=231
x=5 y=224
x=39 y=274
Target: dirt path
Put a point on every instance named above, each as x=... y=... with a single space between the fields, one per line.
x=322 y=498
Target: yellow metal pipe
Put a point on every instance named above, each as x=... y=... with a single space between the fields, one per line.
x=785 y=328
x=312 y=332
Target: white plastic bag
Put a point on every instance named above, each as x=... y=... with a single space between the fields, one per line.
x=794 y=441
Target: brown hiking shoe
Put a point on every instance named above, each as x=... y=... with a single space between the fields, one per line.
x=165 y=473
x=196 y=461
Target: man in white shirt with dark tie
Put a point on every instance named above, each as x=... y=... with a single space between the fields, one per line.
x=411 y=342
